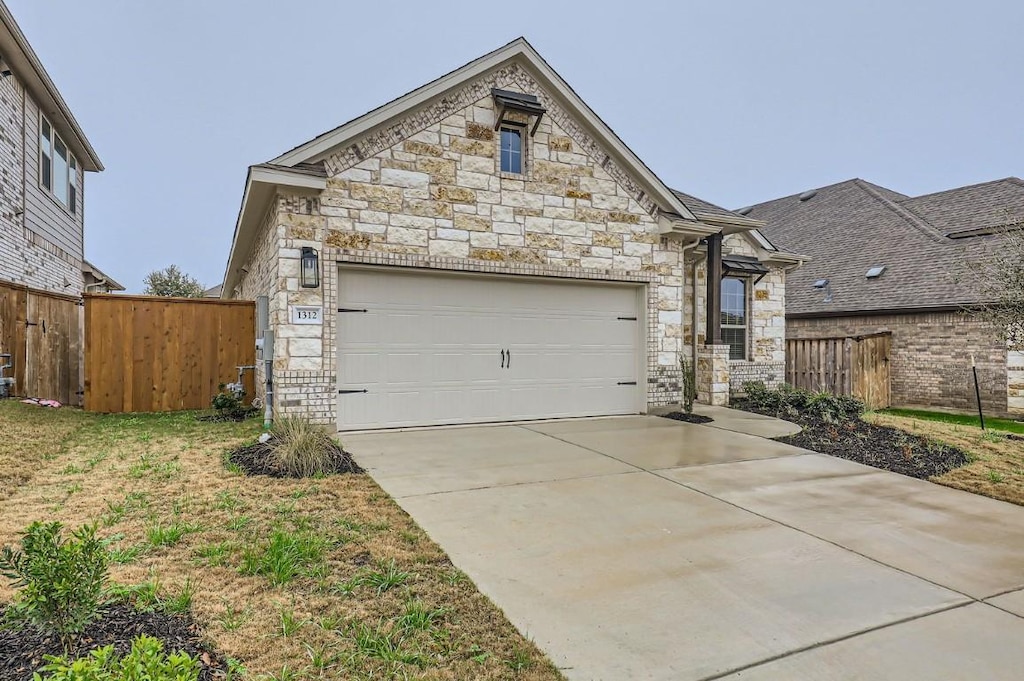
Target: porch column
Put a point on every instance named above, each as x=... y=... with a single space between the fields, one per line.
x=713 y=357
x=713 y=333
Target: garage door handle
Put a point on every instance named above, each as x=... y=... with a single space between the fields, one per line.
x=503 y=358
x=508 y=363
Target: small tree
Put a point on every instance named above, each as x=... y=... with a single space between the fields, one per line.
x=688 y=384
x=996 y=274
x=171 y=282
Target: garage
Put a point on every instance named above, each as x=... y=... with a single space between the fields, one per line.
x=422 y=348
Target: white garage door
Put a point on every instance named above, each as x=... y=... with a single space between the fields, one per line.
x=428 y=349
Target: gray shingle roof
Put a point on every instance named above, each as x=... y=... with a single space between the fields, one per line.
x=849 y=227
x=701 y=206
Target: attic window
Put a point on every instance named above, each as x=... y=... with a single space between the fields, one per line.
x=508 y=102
x=875 y=272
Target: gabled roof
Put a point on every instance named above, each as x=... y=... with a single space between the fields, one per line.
x=23 y=62
x=101 y=276
x=521 y=52
x=850 y=227
x=303 y=166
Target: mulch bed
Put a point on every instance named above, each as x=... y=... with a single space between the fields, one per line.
x=256 y=459
x=22 y=650
x=883 y=447
x=688 y=418
x=228 y=417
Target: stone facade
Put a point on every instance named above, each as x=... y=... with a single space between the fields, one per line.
x=427 y=191
x=28 y=256
x=930 y=364
x=1015 y=382
x=713 y=375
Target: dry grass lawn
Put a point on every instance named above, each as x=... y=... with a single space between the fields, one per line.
x=997 y=466
x=316 y=578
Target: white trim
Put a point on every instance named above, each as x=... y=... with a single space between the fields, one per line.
x=22 y=59
x=261 y=185
x=71 y=207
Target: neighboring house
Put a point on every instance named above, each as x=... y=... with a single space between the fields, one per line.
x=44 y=156
x=897 y=264
x=485 y=248
x=213 y=291
x=96 y=281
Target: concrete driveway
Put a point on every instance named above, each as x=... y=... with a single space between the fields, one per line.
x=644 y=548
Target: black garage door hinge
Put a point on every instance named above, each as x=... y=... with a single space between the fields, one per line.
x=627 y=383
x=349 y=392
x=349 y=309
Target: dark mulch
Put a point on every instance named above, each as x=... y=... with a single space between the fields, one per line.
x=883 y=447
x=22 y=650
x=228 y=417
x=689 y=418
x=255 y=459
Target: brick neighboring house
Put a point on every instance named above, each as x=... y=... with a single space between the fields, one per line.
x=923 y=243
x=485 y=248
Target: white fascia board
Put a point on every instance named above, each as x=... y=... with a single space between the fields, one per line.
x=668 y=226
x=318 y=148
x=260 y=185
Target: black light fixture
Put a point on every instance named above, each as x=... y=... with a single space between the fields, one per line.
x=309 y=274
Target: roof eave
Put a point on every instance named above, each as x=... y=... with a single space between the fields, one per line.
x=517 y=50
x=731 y=224
x=18 y=53
x=261 y=184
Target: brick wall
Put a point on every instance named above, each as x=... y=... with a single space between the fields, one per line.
x=930 y=364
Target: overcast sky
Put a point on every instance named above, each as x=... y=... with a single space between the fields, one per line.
x=735 y=102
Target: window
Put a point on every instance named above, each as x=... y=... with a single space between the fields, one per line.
x=512 y=150
x=734 y=316
x=58 y=169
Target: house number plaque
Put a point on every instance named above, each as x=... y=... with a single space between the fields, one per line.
x=307 y=314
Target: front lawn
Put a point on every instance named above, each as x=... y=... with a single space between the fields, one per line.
x=1006 y=425
x=996 y=460
x=290 y=578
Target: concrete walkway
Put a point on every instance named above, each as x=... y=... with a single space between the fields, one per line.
x=645 y=548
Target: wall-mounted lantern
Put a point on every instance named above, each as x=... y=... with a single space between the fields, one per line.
x=309 y=273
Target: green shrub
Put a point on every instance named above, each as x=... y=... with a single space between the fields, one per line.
x=688 y=385
x=302 y=448
x=229 y=404
x=146 y=661
x=60 y=581
x=787 y=401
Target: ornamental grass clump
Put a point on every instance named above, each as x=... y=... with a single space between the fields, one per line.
x=60 y=581
x=302 y=448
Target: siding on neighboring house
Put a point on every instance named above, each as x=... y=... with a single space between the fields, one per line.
x=930 y=364
x=41 y=244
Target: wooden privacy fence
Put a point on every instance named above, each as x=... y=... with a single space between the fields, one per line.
x=43 y=334
x=145 y=353
x=855 y=365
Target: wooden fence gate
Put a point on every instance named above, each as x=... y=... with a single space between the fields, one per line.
x=856 y=365
x=43 y=333
x=145 y=354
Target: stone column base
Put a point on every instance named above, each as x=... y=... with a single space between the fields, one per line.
x=713 y=375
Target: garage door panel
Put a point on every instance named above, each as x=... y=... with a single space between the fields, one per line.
x=429 y=349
